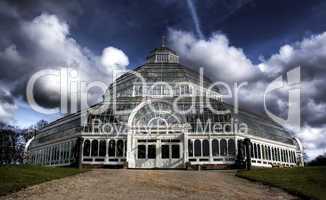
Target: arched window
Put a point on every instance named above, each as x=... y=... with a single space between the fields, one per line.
x=125 y=143
x=266 y=152
x=284 y=159
x=52 y=154
x=231 y=147
x=224 y=147
x=111 y=148
x=57 y=153
x=255 y=151
x=197 y=148
x=252 y=154
x=263 y=151
x=258 y=150
x=65 y=151
x=215 y=147
x=94 y=148
x=269 y=153
x=294 y=157
x=102 y=148
x=190 y=148
x=120 y=148
x=205 y=148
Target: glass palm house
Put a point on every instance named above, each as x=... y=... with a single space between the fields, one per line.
x=164 y=115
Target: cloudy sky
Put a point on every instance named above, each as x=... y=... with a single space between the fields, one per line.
x=234 y=40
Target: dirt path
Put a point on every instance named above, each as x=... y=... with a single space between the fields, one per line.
x=141 y=184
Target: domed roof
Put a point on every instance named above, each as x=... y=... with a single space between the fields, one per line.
x=163 y=66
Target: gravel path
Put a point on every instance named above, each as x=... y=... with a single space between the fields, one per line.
x=150 y=184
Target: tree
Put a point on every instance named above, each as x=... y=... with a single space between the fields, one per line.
x=41 y=124
x=8 y=144
x=33 y=129
x=318 y=161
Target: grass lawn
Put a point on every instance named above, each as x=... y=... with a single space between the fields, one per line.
x=309 y=182
x=14 y=178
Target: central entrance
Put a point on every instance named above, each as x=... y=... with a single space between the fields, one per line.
x=156 y=136
x=159 y=153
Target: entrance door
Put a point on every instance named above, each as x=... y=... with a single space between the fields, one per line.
x=171 y=153
x=146 y=153
x=159 y=153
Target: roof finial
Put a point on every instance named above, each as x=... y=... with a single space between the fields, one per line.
x=163 y=41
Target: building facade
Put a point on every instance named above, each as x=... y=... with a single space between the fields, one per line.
x=164 y=115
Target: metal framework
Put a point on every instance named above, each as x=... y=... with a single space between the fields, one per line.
x=145 y=128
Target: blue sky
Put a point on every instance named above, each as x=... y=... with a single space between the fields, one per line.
x=258 y=27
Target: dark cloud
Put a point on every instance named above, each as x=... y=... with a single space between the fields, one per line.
x=6 y=98
x=18 y=53
x=37 y=36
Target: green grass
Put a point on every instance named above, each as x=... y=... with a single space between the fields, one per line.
x=14 y=178
x=308 y=182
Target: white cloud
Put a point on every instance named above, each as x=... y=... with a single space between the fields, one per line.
x=7 y=107
x=47 y=30
x=314 y=140
x=310 y=52
x=11 y=54
x=7 y=112
x=227 y=63
x=53 y=42
x=114 y=59
x=310 y=55
x=221 y=60
x=55 y=48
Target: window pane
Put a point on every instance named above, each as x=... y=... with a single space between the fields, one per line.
x=102 y=148
x=197 y=148
x=112 y=148
x=125 y=142
x=255 y=150
x=94 y=148
x=269 y=153
x=165 y=152
x=175 y=151
x=190 y=148
x=258 y=150
x=141 y=151
x=231 y=147
x=205 y=148
x=119 y=148
x=215 y=147
x=87 y=147
x=151 y=151
x=223 y=147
